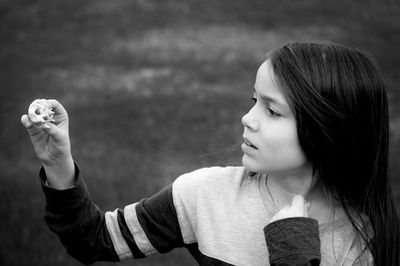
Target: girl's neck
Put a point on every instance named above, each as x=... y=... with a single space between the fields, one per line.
x=283 y=187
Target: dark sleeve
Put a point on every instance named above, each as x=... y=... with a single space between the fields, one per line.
x=90 y=235
x=79 y=223
x=293 y=241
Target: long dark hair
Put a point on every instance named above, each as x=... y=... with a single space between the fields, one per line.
x=339 y=100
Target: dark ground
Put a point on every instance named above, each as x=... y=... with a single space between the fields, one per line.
x=175 y=78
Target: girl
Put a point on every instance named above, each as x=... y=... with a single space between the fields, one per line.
x=318 y=131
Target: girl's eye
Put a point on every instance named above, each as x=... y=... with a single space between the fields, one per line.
x=270 y=111
x=273 y=113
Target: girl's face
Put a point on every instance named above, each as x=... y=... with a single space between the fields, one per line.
x=271 y=143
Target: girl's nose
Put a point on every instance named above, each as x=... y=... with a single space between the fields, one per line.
x=249 y=122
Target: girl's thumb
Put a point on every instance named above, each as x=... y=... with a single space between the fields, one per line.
x=52 y=130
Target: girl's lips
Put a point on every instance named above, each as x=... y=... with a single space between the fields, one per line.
x=247 y=149
x=247 y=142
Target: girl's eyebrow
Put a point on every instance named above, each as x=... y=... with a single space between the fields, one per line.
x=268 y=99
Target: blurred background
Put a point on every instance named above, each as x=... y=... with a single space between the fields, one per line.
x=153 y=89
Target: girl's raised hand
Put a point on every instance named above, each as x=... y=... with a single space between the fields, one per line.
x=298 y=208
x=52 y=146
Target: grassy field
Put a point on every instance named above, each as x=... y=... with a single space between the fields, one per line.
x=153 y=90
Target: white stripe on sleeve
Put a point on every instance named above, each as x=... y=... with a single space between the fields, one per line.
x=120 y=245
x=137 y=231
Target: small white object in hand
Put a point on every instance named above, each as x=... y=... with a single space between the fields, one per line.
x=40 y=113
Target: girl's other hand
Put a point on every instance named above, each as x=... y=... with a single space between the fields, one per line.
x=298 y=208
x=52 y=146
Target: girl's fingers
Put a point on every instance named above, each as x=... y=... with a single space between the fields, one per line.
x=32 y=130
x=298 y=202
x=56 y=106
x=53 y=131
x=306 y=208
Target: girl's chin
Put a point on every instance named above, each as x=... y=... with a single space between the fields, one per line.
x=252 y=166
